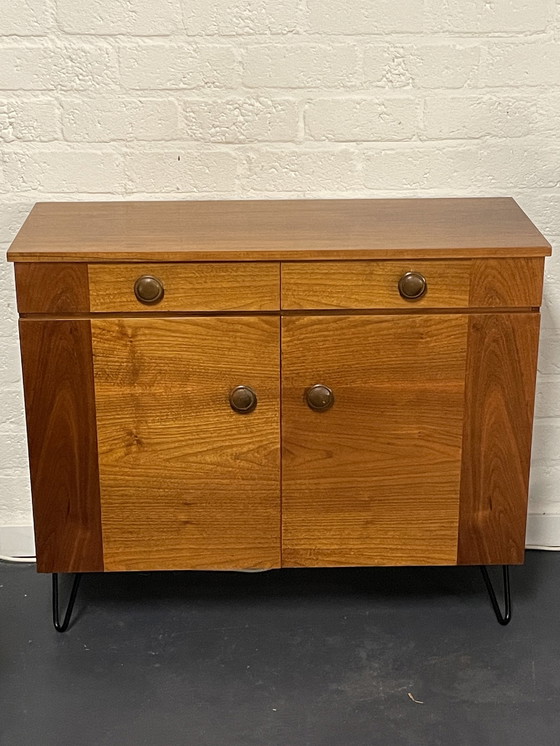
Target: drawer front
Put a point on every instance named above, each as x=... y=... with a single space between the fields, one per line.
x=197 y=286
x=393 y=284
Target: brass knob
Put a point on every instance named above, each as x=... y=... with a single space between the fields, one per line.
x=242 y=399
x=319 y=397
x=412 y=285
x=148 y=289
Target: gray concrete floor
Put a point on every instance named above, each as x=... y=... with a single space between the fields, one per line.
x=315 y=657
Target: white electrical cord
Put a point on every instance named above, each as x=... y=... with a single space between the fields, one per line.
x=4 y=558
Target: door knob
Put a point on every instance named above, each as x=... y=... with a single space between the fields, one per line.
x=148 y=289
x=412 y=285
x=319 y=397
x=242 y=399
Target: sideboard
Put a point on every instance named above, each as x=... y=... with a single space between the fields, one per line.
x=264 y=384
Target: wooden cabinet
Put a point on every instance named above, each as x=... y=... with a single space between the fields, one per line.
x=386 y=353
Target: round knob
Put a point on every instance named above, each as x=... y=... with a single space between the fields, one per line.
x=412 y=285
x=319 y=397
x=242 y=399
x=148 y=289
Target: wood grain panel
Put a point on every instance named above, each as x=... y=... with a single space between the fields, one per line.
x=451 y=284
x=52 y=287
x=226 y=286
x=251 y=230
x=185 y=481
x=361 y=285
x=499 y=401
x=374 y=480
x=61 y=433
x=507 y=282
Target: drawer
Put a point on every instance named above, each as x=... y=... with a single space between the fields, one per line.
x=393 y=284
x=197 y=286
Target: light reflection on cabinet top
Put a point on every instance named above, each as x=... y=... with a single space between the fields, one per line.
x=277 y=230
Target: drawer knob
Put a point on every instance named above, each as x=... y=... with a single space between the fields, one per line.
x=412 y=285
x=148 y=289
x=242 y=399
x=319 y=397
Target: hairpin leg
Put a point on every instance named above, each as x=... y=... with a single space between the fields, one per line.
x=68 y=614
x=504 y=618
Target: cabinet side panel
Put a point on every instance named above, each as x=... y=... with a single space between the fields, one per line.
x=62 y=441
x=500 y=390
x=52 y=287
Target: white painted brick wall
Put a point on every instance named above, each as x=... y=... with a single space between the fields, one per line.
x=215 y=99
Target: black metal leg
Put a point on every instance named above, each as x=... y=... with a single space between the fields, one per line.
x=504 y=618
x=68 y=614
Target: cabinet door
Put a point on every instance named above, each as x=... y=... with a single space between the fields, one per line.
x=375 y=479
x=185 y=481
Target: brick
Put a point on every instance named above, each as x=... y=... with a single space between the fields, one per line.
x=301 y=66
x=180 y=171
x=241 y=17
x=33 y=120
x=27 y=68
x=143 y=17
x=548 y=397
x=177 y=66
x=4 y=186
x=521 y=64
x=12 y=216
x=104 y=119
x=481 y=16
x=424 y=65
x=15 y=511
x=519 y=163
x=291 y=170
x=549 y=352
x=10 y=364
x=13 y=450
x=414 y=167
x=60 y=171
x=40 y=67
x=548 y=104
x=549 y=308
x=25 y=18
x=361 y=120
x=544 y=209
x=8 y=305
x=11 y=406
x=248 y=119
x=85 y=66
x=365 y=16
x=478 y=115
x=546 y=436
x=543 y=488
x=501 y=165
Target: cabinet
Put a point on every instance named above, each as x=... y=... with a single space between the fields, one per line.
x=265 y=384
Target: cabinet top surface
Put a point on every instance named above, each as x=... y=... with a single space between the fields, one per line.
x=259 y=230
